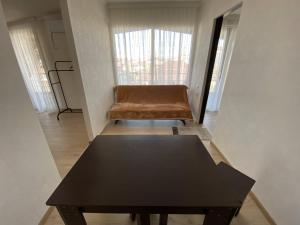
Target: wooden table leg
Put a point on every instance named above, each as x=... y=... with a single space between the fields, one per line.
x=237 y=212
x=132 y=216
x=163 y=219
x=143 y=219
x=221 y=216
x=71 y=215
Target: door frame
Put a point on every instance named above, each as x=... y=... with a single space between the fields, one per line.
x=218 y=22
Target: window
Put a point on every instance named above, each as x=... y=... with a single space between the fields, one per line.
x=29 y=58
x=220 y=58
x=133 y=57
x=222 y=61
x=152 y=46
x=152 y=57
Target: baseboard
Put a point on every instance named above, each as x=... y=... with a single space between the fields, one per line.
x=263 y=209
x=46 y=215
x=256 y=200
x=218 y=150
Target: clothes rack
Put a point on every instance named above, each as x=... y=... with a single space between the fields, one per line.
x=67 y=109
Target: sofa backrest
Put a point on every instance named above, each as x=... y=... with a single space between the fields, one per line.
x=151 y=94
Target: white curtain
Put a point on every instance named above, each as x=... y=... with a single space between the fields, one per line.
x=29 y=57
x=223 y=57
x=152 y=45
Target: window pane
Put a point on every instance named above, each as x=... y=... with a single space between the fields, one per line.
x=152 y=57
x=133 y=57
x=172 y=56
x=219 y=60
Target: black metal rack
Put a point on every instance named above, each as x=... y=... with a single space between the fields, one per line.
x=67 y=109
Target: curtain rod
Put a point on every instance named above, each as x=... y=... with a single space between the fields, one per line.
x=170 y=4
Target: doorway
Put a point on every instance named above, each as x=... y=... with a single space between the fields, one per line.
x=223 y=42
x=40 y=45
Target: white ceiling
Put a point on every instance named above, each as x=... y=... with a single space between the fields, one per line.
x=124 y=1
x=18 y=9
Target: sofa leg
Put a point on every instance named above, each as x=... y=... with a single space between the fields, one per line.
x=183 y=121
x=116 y=121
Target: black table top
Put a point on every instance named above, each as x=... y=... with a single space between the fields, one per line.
x=158 y=173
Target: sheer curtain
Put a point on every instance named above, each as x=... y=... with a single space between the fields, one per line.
x=223 y=57
x=30 y=61
x=152 y=45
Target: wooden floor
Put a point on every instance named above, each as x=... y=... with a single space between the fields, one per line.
x=68 y=139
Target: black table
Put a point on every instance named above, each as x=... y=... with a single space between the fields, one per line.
x=146 y=175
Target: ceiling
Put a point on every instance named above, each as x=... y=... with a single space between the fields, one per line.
x=18 y=9
x=124 y=1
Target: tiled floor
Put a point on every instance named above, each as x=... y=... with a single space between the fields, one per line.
x=67 y=139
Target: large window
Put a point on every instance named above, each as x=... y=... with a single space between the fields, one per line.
x=152 y=46
x=29 y=58
x=152 y=57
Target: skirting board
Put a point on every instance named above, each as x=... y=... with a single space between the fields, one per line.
x=46 y=215
x=259 y=204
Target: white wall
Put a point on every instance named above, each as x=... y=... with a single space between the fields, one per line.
x=257 y=127
x=52 y=38
x=28 y=173
x=59 y=51
x=18 y=9
x=50 y=32
x=86 y=23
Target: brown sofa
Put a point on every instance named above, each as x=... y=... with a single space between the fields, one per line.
x=151 y=102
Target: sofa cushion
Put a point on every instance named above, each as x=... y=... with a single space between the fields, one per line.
x=151 y=94
x=150 y=111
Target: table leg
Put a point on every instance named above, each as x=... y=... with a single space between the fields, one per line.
x=163 y=219
x=219 y=216
x=71 y=215
x=132 y=216
x=237 y=212
x=143 y=219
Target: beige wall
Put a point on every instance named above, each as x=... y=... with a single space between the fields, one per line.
x=88 y=30
x=28 y=174
x=60 y=52
x=50 y=32
x=53 y=42
x=258 y=124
